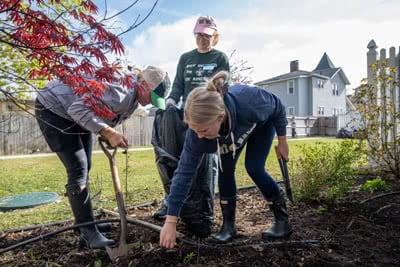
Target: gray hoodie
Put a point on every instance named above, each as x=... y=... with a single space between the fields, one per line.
x=60 y=99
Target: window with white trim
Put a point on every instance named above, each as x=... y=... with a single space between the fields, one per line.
x=321 y=110
x=320 y=83
x=335 y=89
x=290 y=87
x=291 y=111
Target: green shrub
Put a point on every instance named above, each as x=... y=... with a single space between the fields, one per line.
x=325 y=171
x=374 y=185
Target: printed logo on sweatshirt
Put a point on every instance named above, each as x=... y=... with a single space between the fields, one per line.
x=227 y=148
x=199 y=72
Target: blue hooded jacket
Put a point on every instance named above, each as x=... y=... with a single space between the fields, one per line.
x=247 y=108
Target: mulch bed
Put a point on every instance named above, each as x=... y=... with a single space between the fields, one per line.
x=358 y=230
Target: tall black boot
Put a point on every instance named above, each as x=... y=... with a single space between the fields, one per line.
x=104 y=227
x=228 y=229
x=280 y=227
x=82 y=209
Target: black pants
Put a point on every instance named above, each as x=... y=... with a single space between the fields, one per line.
x=71 y=142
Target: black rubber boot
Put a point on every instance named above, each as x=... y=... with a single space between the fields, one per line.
x=104 y=227
x=161 y=213
x=228 y=229
x=280 y=227
x=81 y=206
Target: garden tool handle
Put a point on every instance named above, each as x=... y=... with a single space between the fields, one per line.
x=105 y=146
x=278 y=155
x=281 y=161
x=285 y=174
x=113 y=165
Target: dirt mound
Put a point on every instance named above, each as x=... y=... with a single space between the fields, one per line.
x=358 y=230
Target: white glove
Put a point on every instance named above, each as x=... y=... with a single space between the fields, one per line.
x=170 y=102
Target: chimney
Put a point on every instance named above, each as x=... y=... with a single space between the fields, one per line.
x=294 y=65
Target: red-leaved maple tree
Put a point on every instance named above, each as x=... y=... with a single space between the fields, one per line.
x=62 y=39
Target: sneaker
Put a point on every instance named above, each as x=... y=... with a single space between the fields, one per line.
x=161 y=213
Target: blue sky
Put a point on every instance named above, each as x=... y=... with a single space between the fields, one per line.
x=268 y=34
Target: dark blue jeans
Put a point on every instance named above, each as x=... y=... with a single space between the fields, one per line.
x=258 y=147
x=71 y=142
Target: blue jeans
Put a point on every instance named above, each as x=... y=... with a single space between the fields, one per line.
x=258 y=147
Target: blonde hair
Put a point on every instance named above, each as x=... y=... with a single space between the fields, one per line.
x=215 y=39
x=205 y=104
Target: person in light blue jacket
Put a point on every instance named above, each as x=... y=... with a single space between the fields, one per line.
x=223 y=120
x=67 y=123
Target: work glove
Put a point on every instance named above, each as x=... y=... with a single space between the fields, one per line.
x=114 y=138
x=170 y=102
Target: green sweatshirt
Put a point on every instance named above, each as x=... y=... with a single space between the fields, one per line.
x=194 y=69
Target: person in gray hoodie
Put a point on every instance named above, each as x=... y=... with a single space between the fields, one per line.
x=224 y=119
x=67 y=123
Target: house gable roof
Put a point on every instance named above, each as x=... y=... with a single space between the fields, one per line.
x=324 y=63
x=327 y=68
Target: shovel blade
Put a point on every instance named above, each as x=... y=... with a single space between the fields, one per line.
x=117 y=252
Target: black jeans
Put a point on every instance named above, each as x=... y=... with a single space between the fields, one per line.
x=71 y=142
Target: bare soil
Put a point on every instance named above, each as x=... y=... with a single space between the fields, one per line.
x=358 y=230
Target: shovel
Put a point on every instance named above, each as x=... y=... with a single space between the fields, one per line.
x=122 y=249
x=285 y=174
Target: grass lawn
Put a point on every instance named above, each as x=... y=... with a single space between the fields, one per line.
x=47 y=174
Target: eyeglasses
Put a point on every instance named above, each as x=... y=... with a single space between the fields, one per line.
x=203 y=36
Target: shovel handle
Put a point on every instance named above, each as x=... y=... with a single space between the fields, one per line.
x=105 y=146
x=114 y=170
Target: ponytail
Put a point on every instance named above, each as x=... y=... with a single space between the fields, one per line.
x=218 y=82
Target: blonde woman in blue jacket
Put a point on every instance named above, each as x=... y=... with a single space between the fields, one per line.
x=223 y=120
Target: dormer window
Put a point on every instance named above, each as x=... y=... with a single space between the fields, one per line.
x=290 y=86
